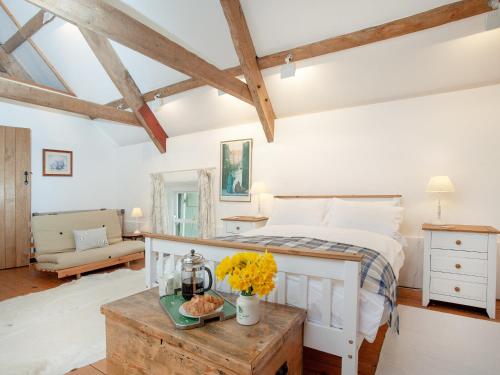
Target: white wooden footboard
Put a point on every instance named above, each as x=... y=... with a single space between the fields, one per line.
x=305 y=264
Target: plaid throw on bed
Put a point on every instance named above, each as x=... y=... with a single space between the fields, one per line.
x=377 y=275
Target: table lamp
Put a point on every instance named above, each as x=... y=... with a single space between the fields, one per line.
x=136 y=213
x=258 y=188
x=439 y=185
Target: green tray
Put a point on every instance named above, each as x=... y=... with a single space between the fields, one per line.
x=171 y=304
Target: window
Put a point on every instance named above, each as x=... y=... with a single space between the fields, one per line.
x=186 y=214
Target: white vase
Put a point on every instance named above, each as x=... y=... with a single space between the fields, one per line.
x=247 y=310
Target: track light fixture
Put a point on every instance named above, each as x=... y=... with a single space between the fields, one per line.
x=493 y=17
x=288 y=69
x=47 y=17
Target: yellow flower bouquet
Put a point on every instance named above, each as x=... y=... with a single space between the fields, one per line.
x=250 y=273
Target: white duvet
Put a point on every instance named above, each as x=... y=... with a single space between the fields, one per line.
x=372 y=311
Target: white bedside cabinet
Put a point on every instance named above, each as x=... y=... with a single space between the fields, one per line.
x=239 y=224
x=460 y=265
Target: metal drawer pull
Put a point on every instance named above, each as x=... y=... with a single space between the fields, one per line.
x=458 y=266
x=458 y=242
x=457 y=289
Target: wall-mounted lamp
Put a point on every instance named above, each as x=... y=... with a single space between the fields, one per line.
x=288 y=69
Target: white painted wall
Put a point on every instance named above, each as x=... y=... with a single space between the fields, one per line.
x=393 y=147
x=94 y=157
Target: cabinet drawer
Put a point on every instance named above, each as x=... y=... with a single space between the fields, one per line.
x=457 y=288
x=460 y=241
x=237 y=227
x=461 y=266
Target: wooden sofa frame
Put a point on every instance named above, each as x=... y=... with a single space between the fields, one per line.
x=78 y=270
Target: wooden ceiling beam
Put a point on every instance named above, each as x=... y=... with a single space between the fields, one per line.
x=38 y=95
x=38 y=50
x=11 y=66
x=102 y=18
x=245 y=50
x=422 y=21
x=26 y=31
x=123 y=81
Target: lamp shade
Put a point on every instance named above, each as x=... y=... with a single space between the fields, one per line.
x=258 y=188
x=440 y=184
x=136 y=212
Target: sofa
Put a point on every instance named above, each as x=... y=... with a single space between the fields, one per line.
x=54 y=242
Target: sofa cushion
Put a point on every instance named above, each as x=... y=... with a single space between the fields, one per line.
x=54 y=233
x=90 y=238
x=58 y=261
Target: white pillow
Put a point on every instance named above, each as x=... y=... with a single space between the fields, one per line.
x=298 y=211
x=90 y=238
x=375 y=218
x=359 y=203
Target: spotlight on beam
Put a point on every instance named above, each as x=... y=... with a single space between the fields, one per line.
x=288 y=69
x=156 y=103
x=47 y=17
x=493 y=17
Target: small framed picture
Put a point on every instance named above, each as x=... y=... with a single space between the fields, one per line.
x=235 y=170
x=57 y=163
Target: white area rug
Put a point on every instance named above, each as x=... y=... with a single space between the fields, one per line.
x=435 y=343
x=57 y=330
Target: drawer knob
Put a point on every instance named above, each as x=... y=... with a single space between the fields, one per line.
x=237 y=228
x=457 y=289
x=458 y=266
x=458 y=242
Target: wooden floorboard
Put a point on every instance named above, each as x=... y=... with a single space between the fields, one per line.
x=24 y=280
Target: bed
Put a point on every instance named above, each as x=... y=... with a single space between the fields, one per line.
x=326 y=282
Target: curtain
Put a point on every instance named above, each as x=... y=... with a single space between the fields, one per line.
x=159 y=207
x=206 y=204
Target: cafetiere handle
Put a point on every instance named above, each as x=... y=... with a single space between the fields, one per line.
x=210 y=280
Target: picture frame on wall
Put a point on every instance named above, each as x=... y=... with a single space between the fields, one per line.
x=235 y=170
x=57 y=163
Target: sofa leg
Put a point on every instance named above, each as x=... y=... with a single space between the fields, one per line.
x=78 y=275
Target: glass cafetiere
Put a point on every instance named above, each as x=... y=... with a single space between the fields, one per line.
x=193 y=275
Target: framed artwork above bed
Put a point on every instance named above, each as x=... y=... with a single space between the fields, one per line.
x=57 y=163
x=235 y=170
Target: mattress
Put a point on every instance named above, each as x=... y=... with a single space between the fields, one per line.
x=373 y=313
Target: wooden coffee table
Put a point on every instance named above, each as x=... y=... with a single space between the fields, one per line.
x=141 y=339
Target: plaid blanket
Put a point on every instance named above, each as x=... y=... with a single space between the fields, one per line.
x=377 y=275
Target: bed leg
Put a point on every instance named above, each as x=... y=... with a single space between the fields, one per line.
x=350 y=318
x=78 y=275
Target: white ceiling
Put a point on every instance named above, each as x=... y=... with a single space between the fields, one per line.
x=447 y=58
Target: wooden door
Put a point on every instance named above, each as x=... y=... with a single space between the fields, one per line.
x=15 y=196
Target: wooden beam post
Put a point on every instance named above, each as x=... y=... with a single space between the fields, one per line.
x=422 y=21
x=28 y=93
x=120 y=76
x=26 y=31
x=245 y=50
x=38 y=50
x=11 y=66
x=104 y=19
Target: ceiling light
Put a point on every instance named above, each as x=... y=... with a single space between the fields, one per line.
x=47 y=17
x=288 y=69
x=156 y=103
x=493 y=17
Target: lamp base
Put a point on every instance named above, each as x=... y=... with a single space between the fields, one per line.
x=137 y=231
x=437 y=222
